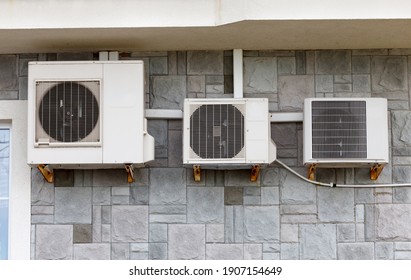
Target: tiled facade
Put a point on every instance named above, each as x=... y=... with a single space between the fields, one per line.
x=96 y=214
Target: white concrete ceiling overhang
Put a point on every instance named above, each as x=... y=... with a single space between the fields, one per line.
x=247 y=34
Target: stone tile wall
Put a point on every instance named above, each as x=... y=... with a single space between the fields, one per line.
x=95 y=214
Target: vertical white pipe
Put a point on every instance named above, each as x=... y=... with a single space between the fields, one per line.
x=238 y=73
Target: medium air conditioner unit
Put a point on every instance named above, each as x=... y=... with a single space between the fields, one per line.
x=346 y=132
x=87 y=114
x=227 y=134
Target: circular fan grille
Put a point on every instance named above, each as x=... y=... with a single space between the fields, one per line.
x=68 y=112
x=217 y=131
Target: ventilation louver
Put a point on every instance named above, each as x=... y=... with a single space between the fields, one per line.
x=345 y=131
x=227 y=132
x=217 y=131
x=68 y=111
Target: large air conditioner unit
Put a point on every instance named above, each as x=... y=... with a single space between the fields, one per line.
x=87 y=114
x=345 y=132
x=227 y=133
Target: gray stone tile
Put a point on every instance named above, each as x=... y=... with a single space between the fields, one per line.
x=346 y=233
x=23 y=88
x=333 y=62
x=361 y=64
x=286 y=66
x=82 y=234
x=9 y=95
x=129 y=223
x=42 y=210
x=298 y=209
x=168 y=186
x=105 y=233
x=402 y=174
x=63 y=178
x=393 y=222
x=158 y=129
x=261 y=224
x=389 y=73
x=402 y=255
x=402 y=195
x=205 y=62
x=120 y=251
x=300 y=61
x=186 y=242
x=74 y=56
x=270 y=196
x=175 y=140
x=289 y=251
x=253 y=252
x=158 y=65
x=324 y=83
x=289 y=233
x=364 y=195
x=109 y=178
x=293 y=90
x=233 y=196
x=224 y=251
x=270 y=177
x=284 y=135
x=295 y=191
x=54 y=242
x=157 y=251
x=336 y=204
x=168 y=92
x=42 y=193
x=239 y=178
x=139 y=195
x=361 y=83
x=92 y=251
x=260 y=75
x=299 y=219
x=106 y=214
x=215 y=233
x=73 y=205
x=384 y=251
x=102 y=196
x=318 y=242
x=356 y=251
x=205 y=205
x=196 y=84
x=167 y=218
x=158 y=233
x=8 y=72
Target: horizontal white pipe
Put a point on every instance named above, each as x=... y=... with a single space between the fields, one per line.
x=286 y=117
x=163 y=114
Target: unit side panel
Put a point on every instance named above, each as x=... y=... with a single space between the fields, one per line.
x=123 y=113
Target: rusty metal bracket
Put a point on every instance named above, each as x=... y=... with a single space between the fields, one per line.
x=46 y=172
x=130 y=172
x=197 y=173
x=255 y=172
x=311 y=171
x=375 y=171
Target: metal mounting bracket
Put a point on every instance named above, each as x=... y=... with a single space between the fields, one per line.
x=375 y=171
x=197 y=173
x=130 y=172
x=46 y=172
x=311 y=171
x=255 y=172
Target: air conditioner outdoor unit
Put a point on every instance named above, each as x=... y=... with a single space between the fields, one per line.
x=345 y=132
x=87 y=114
x=227 y=133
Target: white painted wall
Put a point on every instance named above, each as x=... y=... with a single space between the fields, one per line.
x=26 y=14
x=15 y=113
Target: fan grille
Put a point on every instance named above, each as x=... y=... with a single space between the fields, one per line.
x=339 y=129
x=68 y=111
x=217 y=131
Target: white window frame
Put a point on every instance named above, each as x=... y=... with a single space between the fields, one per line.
x=7 y=126
x=13 y=113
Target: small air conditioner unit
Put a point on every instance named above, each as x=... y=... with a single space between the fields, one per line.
x=87 y=114
x=227 y=133
x=345 y=132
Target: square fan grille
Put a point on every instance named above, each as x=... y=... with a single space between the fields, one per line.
x=339 y=129
x=217 y=131
x=68 y=112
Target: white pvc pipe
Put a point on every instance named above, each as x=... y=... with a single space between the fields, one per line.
x=238 y=73
x=163 y=114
